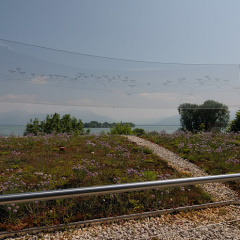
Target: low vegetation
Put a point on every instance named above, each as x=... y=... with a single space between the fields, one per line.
x=60 y=161
x=214 y=152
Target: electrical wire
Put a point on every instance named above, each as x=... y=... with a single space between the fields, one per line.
x=111 y=58
x=113 y=106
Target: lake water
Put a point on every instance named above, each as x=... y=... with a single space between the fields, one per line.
x=17 y=130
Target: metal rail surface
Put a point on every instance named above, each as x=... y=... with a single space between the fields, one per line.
x=108 y=189
x=135 y=216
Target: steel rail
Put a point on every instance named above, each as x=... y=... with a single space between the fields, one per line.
x=135 y=216
x=109 y=189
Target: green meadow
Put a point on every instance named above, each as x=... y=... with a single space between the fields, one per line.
x=37 y=163
x=214 y=152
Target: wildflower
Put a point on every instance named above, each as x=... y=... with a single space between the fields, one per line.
x=131 y=171
x=40 y=174
x=9 y=208
x=23 y=183
x=152 y=196
x=90 y=143
x=219 y=149
x=181 y=145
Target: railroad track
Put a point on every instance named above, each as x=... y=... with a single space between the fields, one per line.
x=136 y=216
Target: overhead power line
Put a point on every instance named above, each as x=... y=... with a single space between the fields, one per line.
x=110 y=58
x=231 y=107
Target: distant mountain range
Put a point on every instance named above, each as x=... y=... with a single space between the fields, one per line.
x=20 y=117
x=175 y=120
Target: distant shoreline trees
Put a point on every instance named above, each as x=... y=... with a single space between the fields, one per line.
x=96 y=124
x=55 y=124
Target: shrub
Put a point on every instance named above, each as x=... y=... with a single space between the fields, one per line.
x=120 y=128
x=147 y=150
x=138 y=131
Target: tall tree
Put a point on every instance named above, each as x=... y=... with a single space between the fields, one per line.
x=51 y=123
x=208 y=116
x=214 y=115
x=189 y=116
x=33 y=127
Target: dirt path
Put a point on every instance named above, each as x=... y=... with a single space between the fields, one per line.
x=219 y=191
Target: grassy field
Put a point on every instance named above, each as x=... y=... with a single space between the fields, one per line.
x=32 y=164
x=216 y=153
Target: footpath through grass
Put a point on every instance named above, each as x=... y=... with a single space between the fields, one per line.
x=216 y=153
x=30 y=164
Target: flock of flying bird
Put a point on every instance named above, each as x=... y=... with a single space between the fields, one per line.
x=120 y=82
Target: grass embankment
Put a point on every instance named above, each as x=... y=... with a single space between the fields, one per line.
x=32 y=164
x=216 y=153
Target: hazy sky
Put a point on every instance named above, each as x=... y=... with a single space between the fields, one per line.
x=176 y=31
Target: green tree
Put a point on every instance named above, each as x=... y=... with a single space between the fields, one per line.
x=208 y=116
x=53 y=123
x=190 y=119
x=66 y=124
x=77 y=126
x=235 y=124
x=214 y=115
x=33 y=127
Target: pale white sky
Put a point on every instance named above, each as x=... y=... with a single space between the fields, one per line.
x=176 y=31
